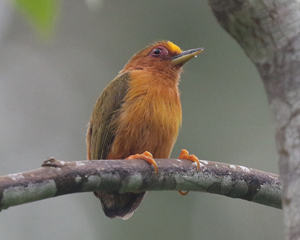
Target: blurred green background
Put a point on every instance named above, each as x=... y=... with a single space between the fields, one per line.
x=48 y=87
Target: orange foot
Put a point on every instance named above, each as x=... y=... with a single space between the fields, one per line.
x=147 y=156
x=185 y=155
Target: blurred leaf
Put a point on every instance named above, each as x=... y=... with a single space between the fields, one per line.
x=41 y=13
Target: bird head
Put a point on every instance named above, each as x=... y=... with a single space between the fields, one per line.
x=161 y=56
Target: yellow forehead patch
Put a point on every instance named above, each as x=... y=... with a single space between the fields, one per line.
x=173 y=48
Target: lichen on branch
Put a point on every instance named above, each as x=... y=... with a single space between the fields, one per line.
x=57 y=178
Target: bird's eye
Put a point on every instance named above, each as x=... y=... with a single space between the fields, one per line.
x=159 y=51
x=156 y=52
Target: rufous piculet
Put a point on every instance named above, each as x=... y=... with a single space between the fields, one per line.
x=138 y=115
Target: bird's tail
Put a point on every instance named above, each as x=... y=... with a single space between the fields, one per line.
x=120 y=205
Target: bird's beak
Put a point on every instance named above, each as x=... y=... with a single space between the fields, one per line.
x=184 y=56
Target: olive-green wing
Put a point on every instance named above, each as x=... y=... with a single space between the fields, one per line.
x=100 y=133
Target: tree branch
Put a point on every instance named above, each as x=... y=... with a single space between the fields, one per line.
x=57 y=178
x=269 y=33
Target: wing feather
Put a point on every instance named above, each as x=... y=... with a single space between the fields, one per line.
x=101 y=131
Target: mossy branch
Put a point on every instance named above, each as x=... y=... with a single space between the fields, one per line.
x=57 y=178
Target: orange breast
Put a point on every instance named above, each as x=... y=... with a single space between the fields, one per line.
x=150 y=116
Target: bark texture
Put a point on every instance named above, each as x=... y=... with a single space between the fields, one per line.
x=57 y=178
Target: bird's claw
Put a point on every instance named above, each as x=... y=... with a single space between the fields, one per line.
x=185 y=155
x=147 y=156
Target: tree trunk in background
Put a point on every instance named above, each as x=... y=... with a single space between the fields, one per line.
x=269 y=33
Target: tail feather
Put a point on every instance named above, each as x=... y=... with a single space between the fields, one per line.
x=120 y=205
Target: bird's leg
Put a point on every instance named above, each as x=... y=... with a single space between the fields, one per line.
x=185 y=155
x=147 y=156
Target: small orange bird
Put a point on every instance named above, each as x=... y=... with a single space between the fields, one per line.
x=137 y=114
